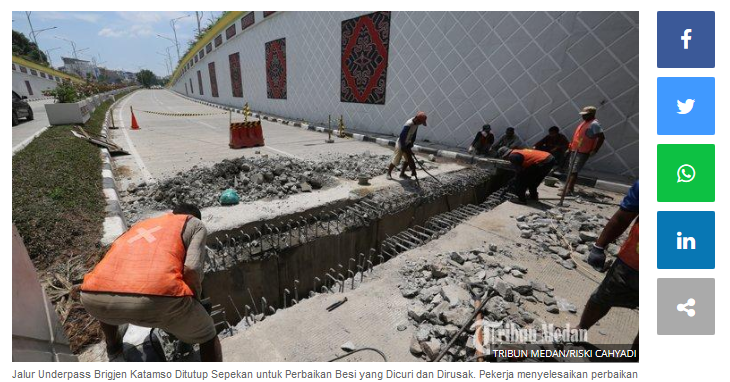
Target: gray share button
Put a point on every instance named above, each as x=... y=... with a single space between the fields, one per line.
x=686 y=306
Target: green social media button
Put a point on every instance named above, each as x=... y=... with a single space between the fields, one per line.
x=686 y=173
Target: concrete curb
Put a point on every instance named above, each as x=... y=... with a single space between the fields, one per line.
x=28 y=140
x=360 y=137
x=114 y=223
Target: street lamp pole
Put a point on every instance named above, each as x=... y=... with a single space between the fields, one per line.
x=174 y=32
x=48 y=54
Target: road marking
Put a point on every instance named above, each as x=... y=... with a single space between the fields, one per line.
x=133 y=150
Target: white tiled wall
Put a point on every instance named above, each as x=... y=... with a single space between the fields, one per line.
x=530 y=70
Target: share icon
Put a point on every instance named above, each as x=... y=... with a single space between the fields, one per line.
x=683 y=307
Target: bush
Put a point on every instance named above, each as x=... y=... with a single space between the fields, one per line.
x=64 y=93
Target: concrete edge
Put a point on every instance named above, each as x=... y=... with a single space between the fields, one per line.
x=359 y=136
x=28 y=140
x=114 y=223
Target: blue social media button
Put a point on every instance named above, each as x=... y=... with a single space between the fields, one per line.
x=686 y=105
x=686 y=240
x=686 y=39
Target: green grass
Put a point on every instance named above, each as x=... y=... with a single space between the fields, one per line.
x=58 y=204
x=59 y=210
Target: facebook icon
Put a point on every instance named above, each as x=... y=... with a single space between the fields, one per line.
x=685 y=39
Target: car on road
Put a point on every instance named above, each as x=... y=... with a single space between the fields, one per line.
x=21 y=109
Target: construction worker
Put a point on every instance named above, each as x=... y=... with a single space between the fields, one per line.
x=587 y=140
x=151 y=277
x=620 y=287
x=556 y=143
x=509 y=140
x=531 y=167
x=404 y=146
x=482 y=141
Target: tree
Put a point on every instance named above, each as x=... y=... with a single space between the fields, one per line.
x=146 y=78
x=27 y=49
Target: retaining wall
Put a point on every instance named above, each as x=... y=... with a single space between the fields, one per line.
x=530 y=70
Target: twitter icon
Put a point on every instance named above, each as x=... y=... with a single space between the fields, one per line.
x=686 y=106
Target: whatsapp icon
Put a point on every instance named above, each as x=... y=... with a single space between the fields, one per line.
x=685 y=173
x=677 y=169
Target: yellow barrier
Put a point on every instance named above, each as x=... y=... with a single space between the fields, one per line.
x=169 y=114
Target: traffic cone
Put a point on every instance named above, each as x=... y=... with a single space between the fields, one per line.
x=135 y=126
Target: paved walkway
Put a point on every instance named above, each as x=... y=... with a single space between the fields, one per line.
x=166 y=145
x=26 y=131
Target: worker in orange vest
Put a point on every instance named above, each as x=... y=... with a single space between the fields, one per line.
x=151 y=277
x=620 y=287
x=531 y=167
x=587 y=140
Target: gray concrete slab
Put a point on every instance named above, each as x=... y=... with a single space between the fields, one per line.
x=307 y=332
x=166 y=145
x=26 y=131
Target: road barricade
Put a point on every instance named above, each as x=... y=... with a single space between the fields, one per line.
x=246 y=134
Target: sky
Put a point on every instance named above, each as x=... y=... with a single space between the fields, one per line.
x=117 y=40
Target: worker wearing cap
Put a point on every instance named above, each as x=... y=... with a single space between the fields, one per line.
x=151 y=277
x=531 y=167
x=620 y=287
x=482 y=141
x=587 y=140
x=404 y=146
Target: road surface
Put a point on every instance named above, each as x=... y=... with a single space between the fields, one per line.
x=166 y=145
x=27 y=130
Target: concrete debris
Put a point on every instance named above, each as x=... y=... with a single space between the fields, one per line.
x=565 y=234
x=348 y=346
x=445 y=303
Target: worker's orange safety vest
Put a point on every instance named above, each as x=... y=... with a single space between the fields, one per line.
x=629 y=252
x=531 y=157
x=148 y=259
x=582 y=142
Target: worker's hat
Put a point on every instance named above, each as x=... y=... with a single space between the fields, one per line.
x=588 y=110
x=503 y=152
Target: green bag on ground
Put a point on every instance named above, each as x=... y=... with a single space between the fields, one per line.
x=229 y=197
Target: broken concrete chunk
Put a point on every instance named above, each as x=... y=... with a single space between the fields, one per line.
x=348 y=346
x=455 y=295
x=417 y=312
x=587 y=236
x=552 y=309
x=415 y=347
x=520 y=286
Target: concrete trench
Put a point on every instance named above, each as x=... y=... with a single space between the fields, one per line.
x=272 y=265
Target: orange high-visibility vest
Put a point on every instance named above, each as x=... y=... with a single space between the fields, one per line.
x=531 y=157
x=148 y=260
x=629 y=252
x=582 y=142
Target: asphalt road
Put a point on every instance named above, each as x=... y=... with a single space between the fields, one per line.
x=26 y=130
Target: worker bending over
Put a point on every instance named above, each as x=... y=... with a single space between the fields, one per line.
x=152 y=277
x=531 y=167
x=404 y=146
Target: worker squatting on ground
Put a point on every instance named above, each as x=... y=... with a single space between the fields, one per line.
x=404 y=146
x=531 y=167
x=587 y=140
x=556 y=143
x=482 y=141
x=620 y=287
x=152 y=277
x=509 y=140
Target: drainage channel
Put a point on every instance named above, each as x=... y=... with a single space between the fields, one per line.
x=253 y=274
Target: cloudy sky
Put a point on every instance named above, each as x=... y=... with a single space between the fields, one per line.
x=118 y=40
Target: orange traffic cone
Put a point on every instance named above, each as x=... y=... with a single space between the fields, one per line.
x=135 y=126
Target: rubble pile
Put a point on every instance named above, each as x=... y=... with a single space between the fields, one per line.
x=252 y=178
x=444 y=290
x=352 y=166
x=564 y=234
